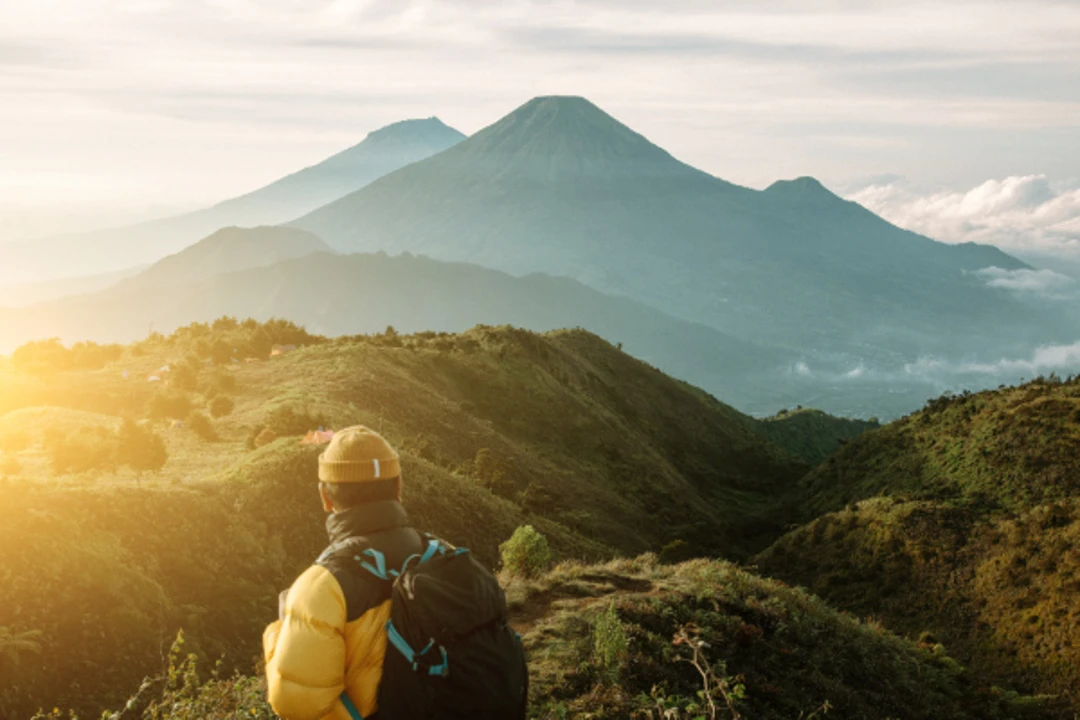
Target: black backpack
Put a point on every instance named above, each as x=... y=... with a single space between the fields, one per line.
x=450 y=652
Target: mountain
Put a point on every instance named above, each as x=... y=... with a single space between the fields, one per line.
x=962 y=522
x=341 y=295
x=559 y=186
x=381 y=152
x=497 y=428
x=227 y=250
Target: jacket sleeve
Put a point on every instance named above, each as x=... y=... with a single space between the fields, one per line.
x=305 y=649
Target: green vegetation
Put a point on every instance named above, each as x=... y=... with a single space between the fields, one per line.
x=961 y=521
x=812 y=434
x=46 y=357
x=526 y=553
x=498 y=429
x=525 y=448
x=202 y=426
x=634 y=638
x=101 y=448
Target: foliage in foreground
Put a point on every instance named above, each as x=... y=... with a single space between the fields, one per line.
x=637 y=639
x=526 y=553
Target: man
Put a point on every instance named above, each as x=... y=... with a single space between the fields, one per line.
x=325 y=655
x=327 y=649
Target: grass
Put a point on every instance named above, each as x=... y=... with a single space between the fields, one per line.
x=606 y=641
x=497 y=427
x=961 y=521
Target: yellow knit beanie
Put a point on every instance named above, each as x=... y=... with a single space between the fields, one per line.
x=358 y=454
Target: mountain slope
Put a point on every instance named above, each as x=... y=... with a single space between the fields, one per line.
x=559 y=186
x=497 y=428
x=381 y=152
x=791 y=655
x=811 y=434
x=338 y=295
x=962 y=520
x=227 y=250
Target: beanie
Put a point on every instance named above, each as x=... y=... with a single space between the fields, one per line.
x=358 y=454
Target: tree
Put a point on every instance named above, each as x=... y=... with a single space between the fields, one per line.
x=140 y=448
x=202 y=426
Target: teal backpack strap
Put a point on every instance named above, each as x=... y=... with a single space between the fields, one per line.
x=350 y=706
x=379 y=568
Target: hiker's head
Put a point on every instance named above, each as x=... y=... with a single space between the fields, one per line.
x=358 y=467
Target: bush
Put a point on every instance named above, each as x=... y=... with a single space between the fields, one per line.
x=50 y=356
x=676 y=551
x=82 y=450
x=526 y=553
x=201 y=426
x=288 y=420
x=221 y=406
x=610 y=645
x=140 y=448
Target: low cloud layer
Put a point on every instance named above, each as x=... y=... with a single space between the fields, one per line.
x=1028 y=213
x=1064 y=360
x=1045 y=283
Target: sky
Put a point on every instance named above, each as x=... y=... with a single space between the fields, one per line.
x=961 y=119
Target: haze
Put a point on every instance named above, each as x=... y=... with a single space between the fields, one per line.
x=120 y=111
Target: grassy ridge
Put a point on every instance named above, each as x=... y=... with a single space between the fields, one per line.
x=498 y=427
x=962 y=521
x=602 y=641
x=812 y=435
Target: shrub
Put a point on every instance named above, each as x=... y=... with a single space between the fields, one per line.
x=82 y=450
x=221 y=406
x=50 y=356
x=140 y=448
x=610 y=645
x=526 y=553
x=676 y=551
x=288 y=420
x=201 y=426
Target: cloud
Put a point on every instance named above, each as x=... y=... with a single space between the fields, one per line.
x=1046 y=283
x=1018 y=213
x=197 y=100
x=1062 y=359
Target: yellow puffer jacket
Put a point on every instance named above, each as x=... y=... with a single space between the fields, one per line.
x=331 y=637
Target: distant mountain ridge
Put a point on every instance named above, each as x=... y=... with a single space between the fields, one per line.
x=227 y=250
x=381 y=152
x=227 y=274
x=559 y=186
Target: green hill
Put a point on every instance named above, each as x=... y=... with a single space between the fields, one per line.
x=498 y=428
x=810 y=434
x=603 y=644
x=963 y=521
